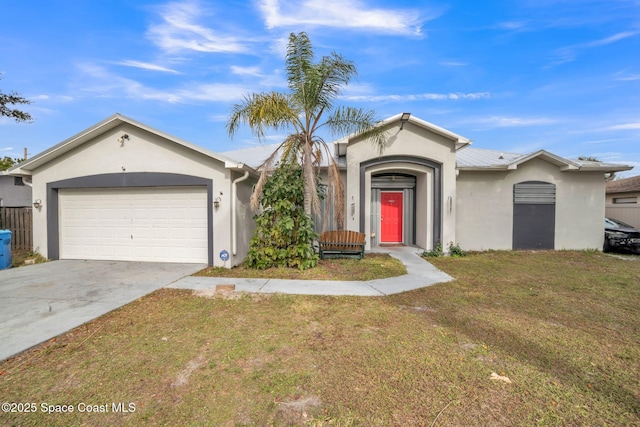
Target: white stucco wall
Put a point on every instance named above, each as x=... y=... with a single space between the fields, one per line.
x=412 y=141
x=142 y=152
x=485 y=206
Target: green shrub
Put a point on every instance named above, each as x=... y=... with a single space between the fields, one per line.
x=456 y=251
x=435 y=252
x=284 y=233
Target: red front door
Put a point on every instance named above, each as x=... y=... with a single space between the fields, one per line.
x=391 y=217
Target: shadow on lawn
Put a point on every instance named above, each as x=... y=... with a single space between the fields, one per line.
x=547 y=358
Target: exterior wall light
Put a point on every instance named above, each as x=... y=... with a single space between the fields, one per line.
x=216 y=202
x=123 y=138
x=404 y=118
x=37 y=203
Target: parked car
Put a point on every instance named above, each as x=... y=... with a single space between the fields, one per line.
x=620 y=236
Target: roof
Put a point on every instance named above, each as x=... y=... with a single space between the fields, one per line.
x=25 y=167
x=255 y=156
x=471 y=159
x=479 y=159
x=625 y=185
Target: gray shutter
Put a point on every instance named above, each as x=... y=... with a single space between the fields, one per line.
x=534 y=193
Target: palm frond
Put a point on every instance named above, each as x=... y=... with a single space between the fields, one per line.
x=262 y=111
x=358 y=122
x=298 y=60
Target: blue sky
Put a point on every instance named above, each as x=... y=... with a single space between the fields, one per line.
x=515 y=76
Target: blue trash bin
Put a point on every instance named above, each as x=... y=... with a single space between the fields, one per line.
x=5 y=249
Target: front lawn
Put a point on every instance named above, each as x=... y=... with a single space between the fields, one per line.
x=559 y=332
x=372 y=266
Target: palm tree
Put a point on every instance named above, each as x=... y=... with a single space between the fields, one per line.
x=308 y=107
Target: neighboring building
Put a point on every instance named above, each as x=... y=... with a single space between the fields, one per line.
x=623 y=200
x=14 y=193
x=123 y=190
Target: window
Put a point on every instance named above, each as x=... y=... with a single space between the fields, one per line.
x=620 y=200
x=17 y=180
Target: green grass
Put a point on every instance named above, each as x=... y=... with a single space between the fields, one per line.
x=562 y=326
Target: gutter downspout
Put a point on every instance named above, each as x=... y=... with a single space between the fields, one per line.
x=234 y=239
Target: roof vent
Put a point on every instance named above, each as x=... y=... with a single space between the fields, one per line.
x=501 y=157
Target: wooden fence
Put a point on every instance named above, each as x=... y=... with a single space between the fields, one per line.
x=19 y=221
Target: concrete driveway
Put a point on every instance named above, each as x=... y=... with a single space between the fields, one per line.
x=39 y=302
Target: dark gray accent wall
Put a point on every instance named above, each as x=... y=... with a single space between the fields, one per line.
x=534 y=215
x=122 y=180
x=437 y=188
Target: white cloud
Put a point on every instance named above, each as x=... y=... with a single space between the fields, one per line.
x=453 y=64
x=603 y=141
x=179 y=31
x=611 y=39
x=109 y=85
x=502 y=121
x=146 y=66
x=212 y=93
x=569 y=53
x=624 y=126
x=246 y=71
x=52 y=98
x=343 y=14
x=255 y=75
x=512 y=25
x=625 y=76
x=418 y=97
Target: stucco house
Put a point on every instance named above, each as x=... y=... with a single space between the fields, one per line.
x=13 y=191
x=623 y=200
x=123 y=190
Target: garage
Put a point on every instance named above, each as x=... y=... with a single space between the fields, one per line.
x=160 y=224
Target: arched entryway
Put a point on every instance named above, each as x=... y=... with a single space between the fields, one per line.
x=409 y=190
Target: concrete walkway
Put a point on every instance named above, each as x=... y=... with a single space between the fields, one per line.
x=419 y=275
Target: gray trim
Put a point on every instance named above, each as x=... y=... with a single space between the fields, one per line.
x=437 y=188
x=122 y=180
x=405 y=181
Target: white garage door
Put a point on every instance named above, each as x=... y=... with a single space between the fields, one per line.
x=167 y=224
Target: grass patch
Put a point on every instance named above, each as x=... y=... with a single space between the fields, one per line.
x=562 y=326
x=20 y=256
x=372 y=266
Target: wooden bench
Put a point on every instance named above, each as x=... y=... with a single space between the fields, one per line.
x=341 y=244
